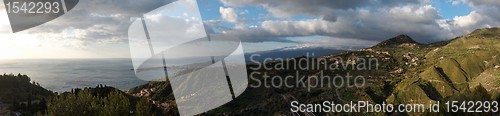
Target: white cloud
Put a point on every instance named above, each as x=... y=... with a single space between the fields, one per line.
x=372 y=19
x=420 y=22
x=228 y=14
x=468 y=20
x=364 y=20
x=485 y=14
x=93 y=29
x=107 y=21
x=100 y=21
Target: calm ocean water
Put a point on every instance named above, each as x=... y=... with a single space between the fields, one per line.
x=64 y=74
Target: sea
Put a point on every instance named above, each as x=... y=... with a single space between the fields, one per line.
x=60 y=75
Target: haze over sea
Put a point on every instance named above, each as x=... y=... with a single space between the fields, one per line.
x=61 y=75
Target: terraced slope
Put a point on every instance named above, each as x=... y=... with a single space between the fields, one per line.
x=463 y=63
x=407 y=72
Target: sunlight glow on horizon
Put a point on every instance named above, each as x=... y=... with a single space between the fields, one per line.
x=23 y=45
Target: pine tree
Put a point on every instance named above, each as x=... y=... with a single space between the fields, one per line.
x=116 y=104
x=143 y=108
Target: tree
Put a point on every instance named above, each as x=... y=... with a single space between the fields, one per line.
x=72 y=104
x=143 y=108
x=116 y=104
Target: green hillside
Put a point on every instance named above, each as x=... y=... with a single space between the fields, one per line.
x=407 y=72
x=22 y=94
x=466 y=68
x=457 y=67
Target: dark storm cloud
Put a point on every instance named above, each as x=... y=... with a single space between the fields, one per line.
x=361 y=20
x=371 y=19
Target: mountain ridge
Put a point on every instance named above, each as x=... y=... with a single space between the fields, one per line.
x=409 y=72
x=395 y=41
x=466 y=68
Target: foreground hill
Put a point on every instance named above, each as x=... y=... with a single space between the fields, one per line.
x=458 y=66
x=21 y=94
x=464 y=68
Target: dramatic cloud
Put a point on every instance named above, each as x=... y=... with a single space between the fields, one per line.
x=105 y=21
x=417 y=21
x=355 y=23
x=485 y=14
x=98 y=21
x=371 y=20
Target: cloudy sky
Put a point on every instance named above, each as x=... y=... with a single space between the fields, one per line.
x=98 y=28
